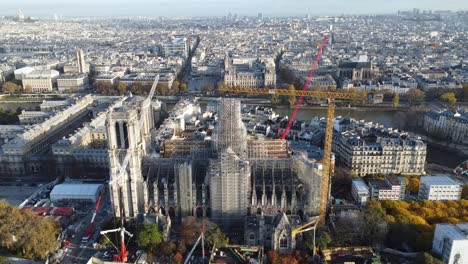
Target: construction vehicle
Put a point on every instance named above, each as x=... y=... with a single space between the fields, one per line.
x=122 y=253
x=90 y=230
x=331 y=97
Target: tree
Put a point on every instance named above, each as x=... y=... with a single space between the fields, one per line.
x=292 y=98
x=413 y=185
x=426 y=258
x=415 y=95
x=183 y=87
x=396 y=100
x=465 y=192
x=122 y=88
x=273 y=256
x=178 y=258
x=175 y=86
x=8 y=117
x=274 y=99
x=28 y=89
x=136 y=88
x=465 y=92
x=448 y=98
x=24 y=232
x=209 y=88
x=214 y=235
x=324 y=240
x=10 y=87
x=149 y=236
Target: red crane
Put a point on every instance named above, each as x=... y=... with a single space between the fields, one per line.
x=305 y=88
x=90 y=229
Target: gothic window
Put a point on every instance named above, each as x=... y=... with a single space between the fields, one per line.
x=117 y=133
x=283 y=241
x=252 y=237
x=125 y=134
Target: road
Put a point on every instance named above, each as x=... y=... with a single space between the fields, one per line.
x=81 y=253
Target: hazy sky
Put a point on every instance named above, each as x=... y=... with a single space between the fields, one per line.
x=219 y=7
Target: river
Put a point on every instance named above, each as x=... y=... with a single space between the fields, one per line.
x=410 y=121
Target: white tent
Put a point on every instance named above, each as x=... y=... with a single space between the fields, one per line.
x=68 y=191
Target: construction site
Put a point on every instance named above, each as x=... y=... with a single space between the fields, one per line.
x=210 y=167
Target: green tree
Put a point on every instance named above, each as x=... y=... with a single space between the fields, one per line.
x=214 y=235
x=149 y=236
x=274 y=99
x=10 y=87
x=324 y=240
x=448 y=98
x=396 y=100
x=292 y=98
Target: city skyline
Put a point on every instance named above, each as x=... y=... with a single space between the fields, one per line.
x=189 y=8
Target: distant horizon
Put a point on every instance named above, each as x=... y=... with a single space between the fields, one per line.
x=220 y=8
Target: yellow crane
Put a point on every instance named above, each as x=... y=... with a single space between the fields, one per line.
x=312 y=225
x=327 y=149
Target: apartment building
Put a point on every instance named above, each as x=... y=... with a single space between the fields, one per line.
x=447 y=125
x=451 y=243
x=388 y=189
x=439 y=188
x=367 y=148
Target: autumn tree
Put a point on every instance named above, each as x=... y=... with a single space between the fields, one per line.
x=448 y=98
x=292 y=98
x=413 y=185
x=10 y=87
x=105 y=88
x=396 y=100
x=183 y=87
x=465 y=192
x=122 y=88
x=178 y=258
x=426 y=258
x=25 y=232
x=136 y=88
x=209 y=88
x=28 y=89
x=175 y=86
x=415 y=95
x=273 y=256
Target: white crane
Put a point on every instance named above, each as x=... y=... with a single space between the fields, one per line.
x=144 y=107
x=123 y=254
